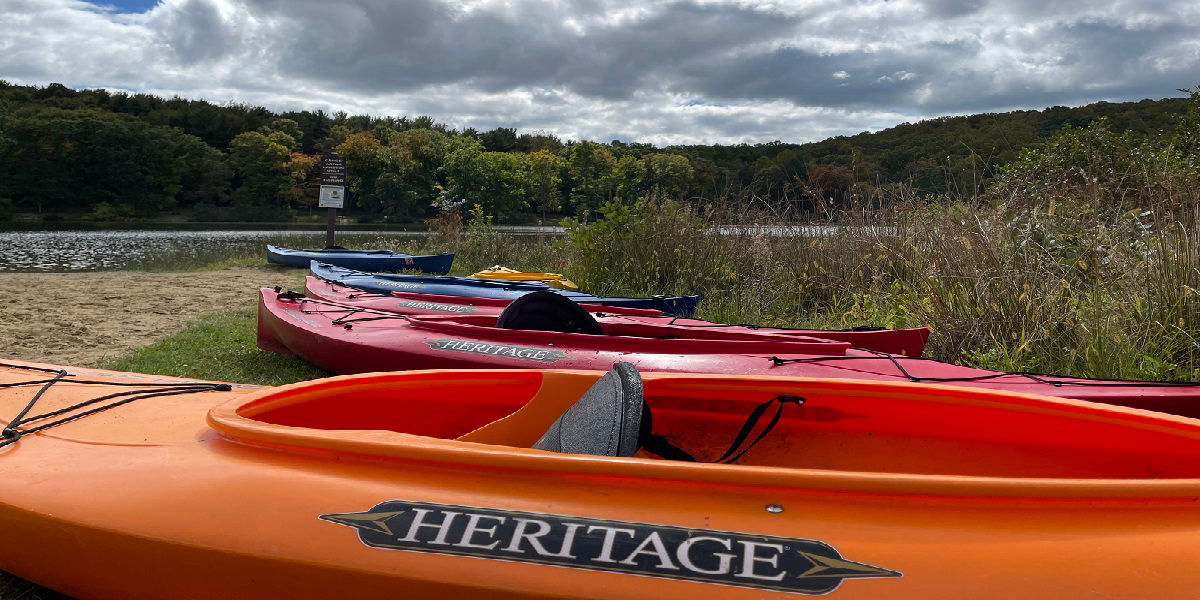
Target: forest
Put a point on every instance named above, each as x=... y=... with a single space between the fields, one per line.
x=110 y=156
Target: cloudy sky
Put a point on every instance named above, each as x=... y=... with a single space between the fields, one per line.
x=689 y=71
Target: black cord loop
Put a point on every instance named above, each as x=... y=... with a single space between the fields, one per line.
x=755 y=415
x=10 y=434
x=1037 y=377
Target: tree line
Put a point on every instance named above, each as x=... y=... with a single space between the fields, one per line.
x=112 y=155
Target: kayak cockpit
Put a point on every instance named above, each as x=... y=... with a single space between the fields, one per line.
x=851 y=427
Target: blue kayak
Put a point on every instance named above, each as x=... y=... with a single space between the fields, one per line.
x=384 y=283
x=363 y=260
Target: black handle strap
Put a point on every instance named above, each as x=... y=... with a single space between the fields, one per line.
x=752 y=420
x=659 y=446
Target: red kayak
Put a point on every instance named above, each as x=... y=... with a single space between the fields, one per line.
x=355 y=341
x=909 y=342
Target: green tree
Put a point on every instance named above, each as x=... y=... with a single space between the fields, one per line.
x=1187 y=130
x=498 y=181
x=500 y=139
x=506 y=183
x=463 y=170
x=302 y=173
x=285 y=132
x=380 y=176
x=261 y=166
x=545 y=179
x=666 y=175
x=589 y=167
x=707 y=180
x=627 y=178
x=830 y=184
x=428 y=148
x=72 y=160
x=6 y=142
x=204 y=173
x=533 y=142
x=1096 y=171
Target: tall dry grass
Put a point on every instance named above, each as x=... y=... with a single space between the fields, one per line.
x=1005 y=290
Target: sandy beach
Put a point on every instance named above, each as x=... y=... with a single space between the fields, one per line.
x=82 y=318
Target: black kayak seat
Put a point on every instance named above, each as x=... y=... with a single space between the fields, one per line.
x=548 y=311
x=606 y=421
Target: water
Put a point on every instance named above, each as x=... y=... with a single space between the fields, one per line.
x=100 y=250
x=74 y=250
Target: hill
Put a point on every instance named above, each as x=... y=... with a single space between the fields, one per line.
x=116 y=155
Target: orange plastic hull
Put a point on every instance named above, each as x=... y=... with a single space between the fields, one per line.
x=151 y=501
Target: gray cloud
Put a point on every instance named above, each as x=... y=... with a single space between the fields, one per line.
x=665 y=72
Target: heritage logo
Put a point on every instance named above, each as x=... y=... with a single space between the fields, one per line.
x=452 y=308
x=303 y=319
x=700 y=555
x=404 y=285
x=538 y=354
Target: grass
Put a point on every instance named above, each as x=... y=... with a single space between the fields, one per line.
x=219 y=347
x=191 y=264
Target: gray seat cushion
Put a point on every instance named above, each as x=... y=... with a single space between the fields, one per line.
x=605 y=421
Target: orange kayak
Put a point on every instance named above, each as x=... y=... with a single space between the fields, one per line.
x=436 y=484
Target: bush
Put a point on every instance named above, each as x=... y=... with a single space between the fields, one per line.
x=108 y=212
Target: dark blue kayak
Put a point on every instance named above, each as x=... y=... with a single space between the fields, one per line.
x=362 y=260
x=383 y=283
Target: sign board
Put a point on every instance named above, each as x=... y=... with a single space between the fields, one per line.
x=332 y=196
x=333 y=170
x=333 y=191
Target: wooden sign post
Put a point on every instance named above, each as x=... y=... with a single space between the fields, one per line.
x=333 y=191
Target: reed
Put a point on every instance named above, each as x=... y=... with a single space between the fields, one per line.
x=1003 y=289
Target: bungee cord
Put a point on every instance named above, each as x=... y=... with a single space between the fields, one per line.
x=1037 y=377
x=13 y=431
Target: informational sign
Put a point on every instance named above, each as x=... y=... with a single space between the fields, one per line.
x=332 y=196
x=333 y=191
x=333 y=170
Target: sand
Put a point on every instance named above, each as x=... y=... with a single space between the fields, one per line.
x=80 y=319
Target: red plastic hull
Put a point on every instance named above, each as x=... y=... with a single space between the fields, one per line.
x=909 y=342
x=384 y=343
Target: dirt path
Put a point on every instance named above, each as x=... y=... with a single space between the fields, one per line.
x=82 y=318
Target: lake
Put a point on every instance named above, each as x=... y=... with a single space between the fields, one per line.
x=76 y=250
x=112 y=250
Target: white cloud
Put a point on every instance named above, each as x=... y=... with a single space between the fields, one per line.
x=599 y=70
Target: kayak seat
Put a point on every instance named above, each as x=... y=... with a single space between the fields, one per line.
x=608 y=420
x=548 y=311
x=613 y=419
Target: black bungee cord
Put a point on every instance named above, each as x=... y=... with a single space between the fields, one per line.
x=344 y=320
x=11 y=433
x=1037 y=377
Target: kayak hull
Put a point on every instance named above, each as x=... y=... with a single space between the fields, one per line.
x=249 y=499
x=385 y=283
x=908 y=342
x=381 y=342
x=363 y=260
x=554 y=280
